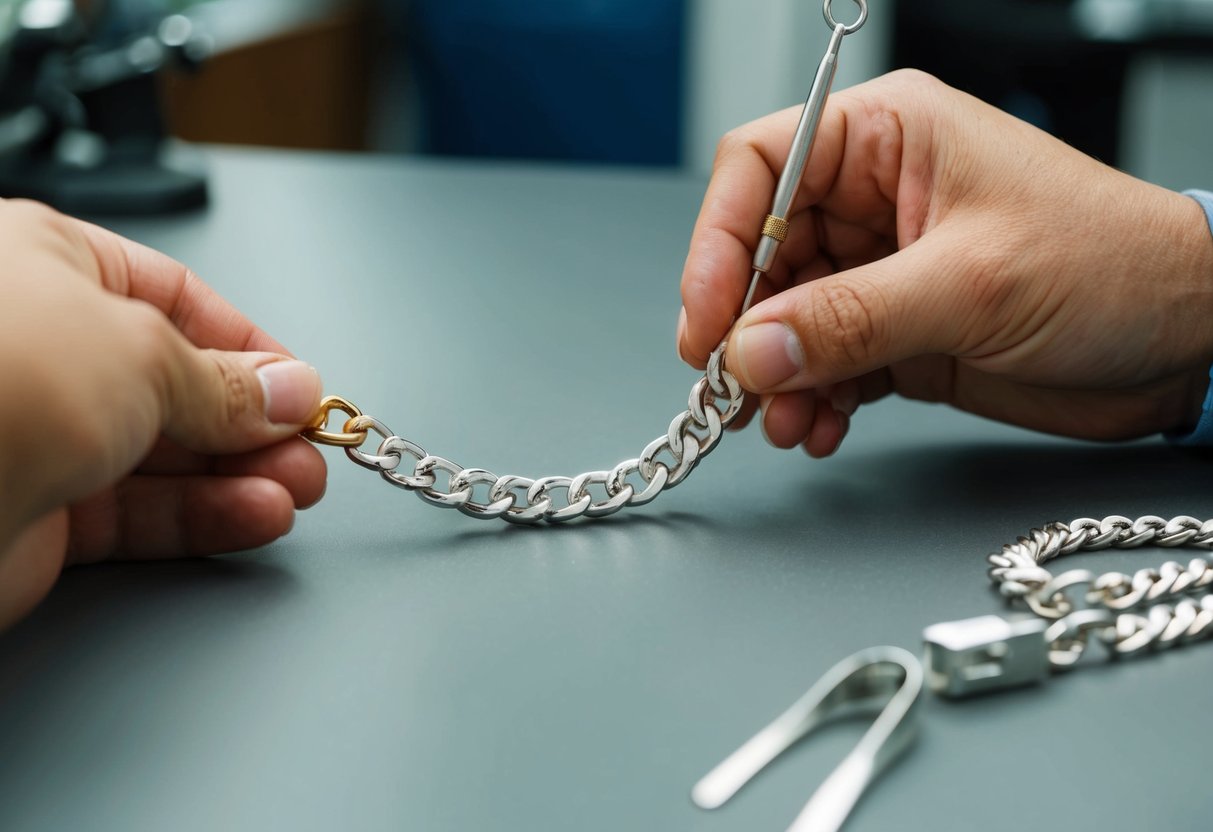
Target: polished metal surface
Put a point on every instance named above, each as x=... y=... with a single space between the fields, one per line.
x=880 y=681
x=691 y=436
x=1153 y=607
x=849 y=28
x=802 y=145
x=985 y=653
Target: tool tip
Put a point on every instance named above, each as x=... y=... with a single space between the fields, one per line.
x=749 y=295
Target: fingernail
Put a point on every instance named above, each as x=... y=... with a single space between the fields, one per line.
x=844 y=425
x=291 y=390
x=846 y=399
x=762 y=424
x=767 y=354
x=681 y=333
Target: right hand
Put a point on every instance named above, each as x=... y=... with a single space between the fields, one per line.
x=943 y=250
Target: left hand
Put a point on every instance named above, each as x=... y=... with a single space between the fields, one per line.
x=147 y=418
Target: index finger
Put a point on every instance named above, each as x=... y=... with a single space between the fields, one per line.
x=714 y=279
x=201 y=314
x=851 y=176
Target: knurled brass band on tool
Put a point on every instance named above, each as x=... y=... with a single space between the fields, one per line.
x=775 y=227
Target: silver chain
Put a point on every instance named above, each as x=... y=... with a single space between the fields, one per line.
x=1152 y=608
x=664 y=463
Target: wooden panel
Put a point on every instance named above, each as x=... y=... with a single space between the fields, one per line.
x=306 y=88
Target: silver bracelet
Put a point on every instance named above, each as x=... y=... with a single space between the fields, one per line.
x=1154 y=608
x=714 y=403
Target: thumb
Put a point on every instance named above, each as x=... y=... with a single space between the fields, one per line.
x=850 y=323
x=228 y=402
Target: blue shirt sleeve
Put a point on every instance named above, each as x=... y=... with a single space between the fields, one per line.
x=1202 y=434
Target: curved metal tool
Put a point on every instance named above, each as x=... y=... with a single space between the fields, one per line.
x=881 y=680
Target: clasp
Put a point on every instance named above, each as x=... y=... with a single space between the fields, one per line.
x=354 y=433
x=983 y=654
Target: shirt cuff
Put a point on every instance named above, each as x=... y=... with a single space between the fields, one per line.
x=1202 y=434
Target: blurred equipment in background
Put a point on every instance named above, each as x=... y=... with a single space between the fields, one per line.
x=80 y=124
x=1059 y=64
x=91 y=91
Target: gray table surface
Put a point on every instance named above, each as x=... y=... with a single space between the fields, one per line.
x=390 y=666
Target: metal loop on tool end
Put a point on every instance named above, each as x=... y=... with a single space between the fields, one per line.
x=846 y=29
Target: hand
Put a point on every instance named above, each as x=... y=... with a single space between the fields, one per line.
x=945 y=251
x=138 y=419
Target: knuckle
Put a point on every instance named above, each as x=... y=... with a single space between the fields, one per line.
x=137 y=369
x=33 y=212
x=38 y=224
x=89 y=439
x=915 y=79
x=845 y=322
x=731 y=143
x=914 y=95
x=151 y=346
x=149 y=331
x=151 y=343
x=239 y=394
x=48 y=232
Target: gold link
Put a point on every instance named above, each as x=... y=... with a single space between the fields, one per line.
x=353 y=435
x=775 y=227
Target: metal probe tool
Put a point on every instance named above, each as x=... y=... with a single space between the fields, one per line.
x=775 y=226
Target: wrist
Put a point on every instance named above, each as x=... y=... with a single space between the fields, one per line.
x=1196 y=423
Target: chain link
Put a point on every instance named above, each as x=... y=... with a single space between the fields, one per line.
x=714 y=403
x=1152 y=608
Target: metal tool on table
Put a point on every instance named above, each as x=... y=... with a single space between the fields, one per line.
x=1152 y=609
x=881 y=680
